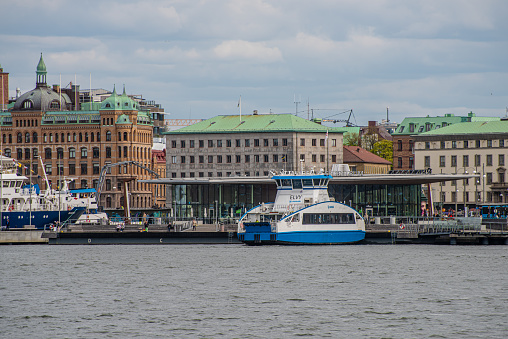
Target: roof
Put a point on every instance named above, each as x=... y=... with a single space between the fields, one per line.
x=355 y=154
x=255 y=123
x=428 y=123
x=477 y=127
x=119 y=102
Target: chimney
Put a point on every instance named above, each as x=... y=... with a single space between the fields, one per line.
x=255 y=112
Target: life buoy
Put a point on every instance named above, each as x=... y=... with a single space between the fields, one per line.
x=11 y=208
x=402 y=226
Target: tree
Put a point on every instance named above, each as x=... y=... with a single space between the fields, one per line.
x=384 y=149
x=352 y=139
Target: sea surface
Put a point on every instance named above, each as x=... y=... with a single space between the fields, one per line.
x=236 y=291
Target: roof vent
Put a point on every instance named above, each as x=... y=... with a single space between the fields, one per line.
x=213 y=122
x=255 y=112
x=272 y=121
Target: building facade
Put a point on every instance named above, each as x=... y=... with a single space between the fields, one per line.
x=403 y=137
x=476 y=148
x=364 y=161
x=47 y=126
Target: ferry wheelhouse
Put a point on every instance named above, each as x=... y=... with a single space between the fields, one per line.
x=302 y=213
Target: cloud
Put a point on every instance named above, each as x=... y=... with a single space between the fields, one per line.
x=247 y=51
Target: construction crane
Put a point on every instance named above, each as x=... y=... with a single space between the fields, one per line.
x=124 y=180
x=348 y=121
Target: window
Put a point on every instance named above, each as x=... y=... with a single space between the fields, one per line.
x=84 y=152
x=411 y=145
x=275 y=158
x=108 y=136
x=182 y=159
x=210 y=159
x=191 y=143
x=201 y=159
x=412 y=162
x=210 y=143
x=302 y=142
x=489 y=178
x=314 y=157
x=489 y=159
x=454 y=161
x=399 y=162
x=399 y=145
x=427 y=145
x=454 y=144
x=191 y=159
x=256 y=142
x=302 y=157
x=478 y=143
x=228 y=143
x=285 y=142
x=247 y=158
x=108 y=152
x=72 y=169
x=443 y=145
x=96 y=169
x=34 y=138
x=265 y=157
x=477 y=160
x=72 y=152
x=84 y=183
x=465 y=161
x=173 y=159
x=314 y=142
x=95 y=152
x=219 y=159
x=501 y=159
x=489 y=143
x=238 y=159
x=321 y=142
x=237 y=143
x=256 y=158
x=411 y=127
x=247 y=142
x=228 y=159
x=466 y=144
x=201 y=143
x=49 y=169
x=20 y=138
x=454 y=196
x=59 y=153
x=334 y=158
x=47 y=153
x=442 y=162
x=334 y=142
x=322 y=158
x=20 y=153
x=27 y=153
x=219 y=143
x=427 y=162
x=265 y=142
x=501 y=143
x=27 y=137
x=443 y=196
x=182 y=143
x=173 y=143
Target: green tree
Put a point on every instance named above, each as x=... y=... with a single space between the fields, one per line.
x=384 y=149
x=352 y=139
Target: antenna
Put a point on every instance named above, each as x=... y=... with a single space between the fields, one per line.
x=296 y=103
x=387 y=119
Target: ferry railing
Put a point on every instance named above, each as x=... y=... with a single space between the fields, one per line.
x=424 y=224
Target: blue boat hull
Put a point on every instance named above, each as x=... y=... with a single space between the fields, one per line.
x=302 y=237
x=39 y=218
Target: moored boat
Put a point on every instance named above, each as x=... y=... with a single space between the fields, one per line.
x=302 y=213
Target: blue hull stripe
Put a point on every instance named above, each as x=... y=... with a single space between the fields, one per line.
x=304 y=237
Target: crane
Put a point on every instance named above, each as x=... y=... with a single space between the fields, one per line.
x=102 y=177
x=347 y=121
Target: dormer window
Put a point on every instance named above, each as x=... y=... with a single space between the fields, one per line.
x=108 y=105
x=54 y=105
x=28 y=104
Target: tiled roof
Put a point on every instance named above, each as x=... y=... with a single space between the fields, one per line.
x=255 y=123
x=477 y=127
x=356 y=154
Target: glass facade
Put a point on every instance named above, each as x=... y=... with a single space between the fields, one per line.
x=228 y=202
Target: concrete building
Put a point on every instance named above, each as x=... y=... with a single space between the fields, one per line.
x=251 y=145
x=479 y=148
x=76 y=141
x=403 y=137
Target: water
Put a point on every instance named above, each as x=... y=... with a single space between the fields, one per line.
x=236 y=291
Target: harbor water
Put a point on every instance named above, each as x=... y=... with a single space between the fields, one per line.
x=236 y=291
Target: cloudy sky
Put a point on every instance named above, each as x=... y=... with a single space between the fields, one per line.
x=196 y=58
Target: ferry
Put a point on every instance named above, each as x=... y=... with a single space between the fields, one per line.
x=302 y=213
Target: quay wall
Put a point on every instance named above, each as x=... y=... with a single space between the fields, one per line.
x=22 y=237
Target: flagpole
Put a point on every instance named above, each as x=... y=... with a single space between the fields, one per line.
x=240 y=105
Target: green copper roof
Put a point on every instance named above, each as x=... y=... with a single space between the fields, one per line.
x=476 y=127
x=119 y=102
x=41 y=67
x=255 y=123
x=417 y=125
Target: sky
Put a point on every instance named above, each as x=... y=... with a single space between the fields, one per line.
x=317 y=58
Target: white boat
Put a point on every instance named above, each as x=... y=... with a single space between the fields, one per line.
x=303 y=213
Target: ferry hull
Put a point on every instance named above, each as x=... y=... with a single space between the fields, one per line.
x=39 y=218
x=303 y=238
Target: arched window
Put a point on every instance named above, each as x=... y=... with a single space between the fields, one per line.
x=59 y=153
x=125 y=136
x=119 y=136
x=54 y=105
x=27 y=137
x=92 y=137
x=84 y=152
x=7 y=152
x=108 y=136
x=20 y=138
x=50 y=137
x=98 y=136
x=27 y=104
x=80 y=137
x=74 y=138
x=62 y=136
x=108 y=202
x=20 y=153
x=125 y=154
x=56 y=137
x=47 y=153
x=4 y=138
x=35 y=153
x=72 y=153
x=10 y=138
x=108 y=152
x=34 y=137
x=86 y=137
x=27 y=153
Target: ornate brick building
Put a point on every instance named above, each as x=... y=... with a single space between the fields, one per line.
x=48 y=125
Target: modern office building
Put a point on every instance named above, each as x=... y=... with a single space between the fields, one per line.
x=75 y=140
x=479 y=148
x=403 y=137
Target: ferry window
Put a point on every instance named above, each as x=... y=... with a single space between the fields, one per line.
x=297 y=183
x=277 y=182
x=307 y=182
x=316 y=182
x=286 y=182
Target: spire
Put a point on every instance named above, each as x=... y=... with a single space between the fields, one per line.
x=124 y=94
x=114 y=90
x=41 y=73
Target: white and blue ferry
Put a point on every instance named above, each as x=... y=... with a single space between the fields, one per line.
x=303 y=213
